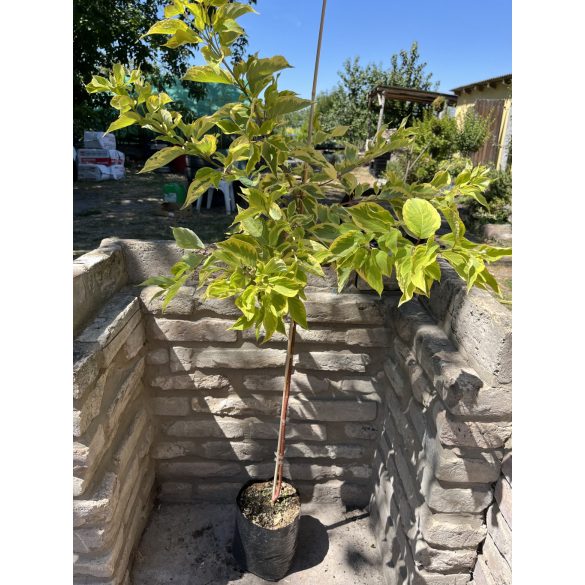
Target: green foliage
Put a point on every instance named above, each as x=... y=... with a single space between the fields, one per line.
x=472 y=133
x=285 y=232
x=106 y=31
x=440 y=144
x=498 y=197
x=348 y=103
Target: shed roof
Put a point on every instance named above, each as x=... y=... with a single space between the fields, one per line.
x=407 y=94
x=507 y=79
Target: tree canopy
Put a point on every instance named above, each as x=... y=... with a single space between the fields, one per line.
x=110 y=31
x=347 y=104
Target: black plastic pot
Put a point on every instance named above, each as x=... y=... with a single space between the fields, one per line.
x=264 y=552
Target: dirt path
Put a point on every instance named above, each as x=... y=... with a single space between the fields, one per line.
x=133 y=208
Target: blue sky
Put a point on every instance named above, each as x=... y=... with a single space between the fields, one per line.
x=462 y=41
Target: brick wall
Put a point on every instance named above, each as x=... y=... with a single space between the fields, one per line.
x=445 y=431
x=113 y=475
x=216 y=397
x=406 y=408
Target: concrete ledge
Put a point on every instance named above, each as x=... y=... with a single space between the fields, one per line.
x=97 y=275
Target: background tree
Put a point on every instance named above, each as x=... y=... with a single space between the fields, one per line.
x=347 y=104
x=109 y=31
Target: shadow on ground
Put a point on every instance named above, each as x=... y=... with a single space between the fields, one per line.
x=191 y=544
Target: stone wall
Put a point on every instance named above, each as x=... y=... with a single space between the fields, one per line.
x=113 y=475
x=216 y=397
x=494 y=564
x=408 y=408
x=447 y=426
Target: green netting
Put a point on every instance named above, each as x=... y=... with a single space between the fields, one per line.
x=216 y=95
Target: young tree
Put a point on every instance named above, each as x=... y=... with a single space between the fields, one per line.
x=286 y=233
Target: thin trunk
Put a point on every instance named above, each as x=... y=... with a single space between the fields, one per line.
x=277 y=481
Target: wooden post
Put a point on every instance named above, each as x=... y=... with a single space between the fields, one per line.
x=381 y=116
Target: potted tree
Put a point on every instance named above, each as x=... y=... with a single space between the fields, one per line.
x=285 y=233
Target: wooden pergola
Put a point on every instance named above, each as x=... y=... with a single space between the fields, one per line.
x=406 y=94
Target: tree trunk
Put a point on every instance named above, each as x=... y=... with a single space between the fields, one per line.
x=277 y=481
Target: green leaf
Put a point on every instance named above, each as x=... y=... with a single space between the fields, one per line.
x=235 y=10
x=98 y=84
x=286 y=104
x=421 y=218
x=174 y=9
x=441 y=180
x=372 y=274
x=346 y=243
x=339 y=131
x=204 y=147
x=210 y=175
x=162 y=158
x=123 y=121
x=169 y=26
x=371 y=217
x=241 y=249
x=183 y=37
x=208 y=74
x=228 y=126
x=172 y=291
x=187 y=239
x=297 y=311
x=287 y=287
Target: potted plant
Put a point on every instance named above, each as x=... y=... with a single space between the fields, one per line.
x=285 y=233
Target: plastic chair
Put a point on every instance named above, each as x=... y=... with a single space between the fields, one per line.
x=228 y=194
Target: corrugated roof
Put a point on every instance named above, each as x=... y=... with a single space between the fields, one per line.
x=506 y=78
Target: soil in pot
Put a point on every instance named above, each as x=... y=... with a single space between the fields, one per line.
x=255 y=503
x=265 y=538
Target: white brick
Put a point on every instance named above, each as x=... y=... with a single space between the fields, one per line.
x=469 y=500
x=87 y=412
x=129 y=390
x=86 y=369
x=192 y=381
x=443 y=560
x=174 y=406
x=503 y=495
x=205 y=329
x=323 y=410
x=135 y=342
x=183 y=469
x=247 y=428
x=451 y=530
x=305 y=471
x=461 y=433
x=309 y=450
x=449 y=466
x=333 y=361
x=500 y=532
x=300 y=382
x=367 y=431
x=496 y=563
x=185 y=359
x=158 y=357
x=344 y=308
x=85 y=456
